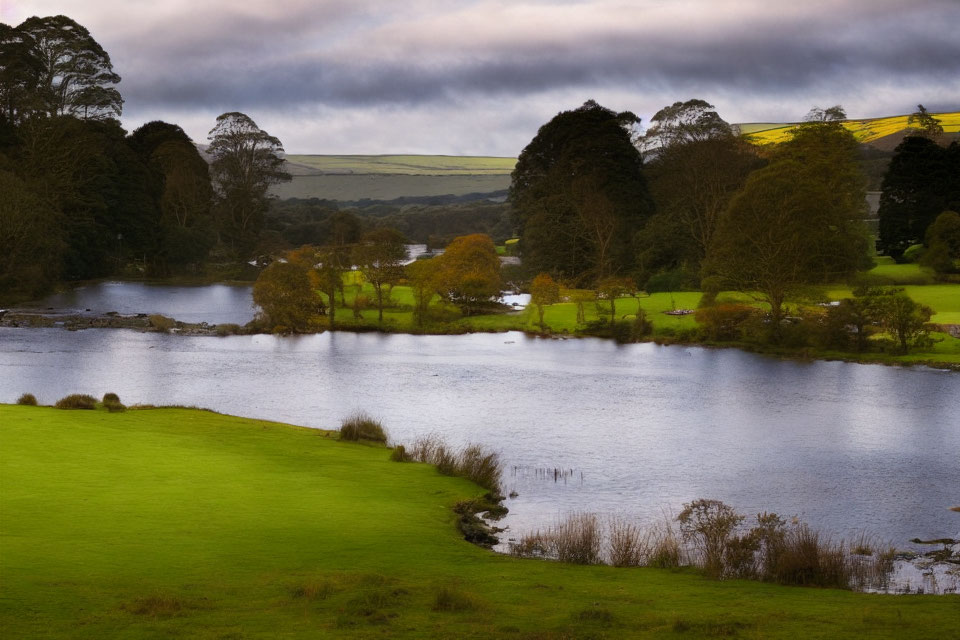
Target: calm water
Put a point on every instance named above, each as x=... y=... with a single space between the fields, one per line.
x=212 y=304
x=643 y=428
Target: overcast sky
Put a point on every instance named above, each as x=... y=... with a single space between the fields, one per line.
x=480 y=76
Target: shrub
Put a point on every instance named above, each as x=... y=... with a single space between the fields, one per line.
x=724 y=321
x=27 y=399
x=913 y=253
x=161 y=322
x=709 y=525
x=112 y=402
x=76 y=401
x=360 y=426
x=227 y=329
x=399 y=454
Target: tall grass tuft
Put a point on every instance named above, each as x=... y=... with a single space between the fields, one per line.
x=28 y=400
x=76 y=401
x=626 y=544
x=473 y=462
x=577 y=539
x=360 y=426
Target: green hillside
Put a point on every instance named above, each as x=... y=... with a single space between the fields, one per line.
x=176 y=523
x=408 y=165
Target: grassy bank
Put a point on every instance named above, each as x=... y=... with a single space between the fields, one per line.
x=561 y=318
x=181 y=523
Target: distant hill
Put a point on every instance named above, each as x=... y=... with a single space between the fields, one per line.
x=881 y=133
x=351 y=178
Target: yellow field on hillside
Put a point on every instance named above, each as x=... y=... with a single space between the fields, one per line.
x=866 y=130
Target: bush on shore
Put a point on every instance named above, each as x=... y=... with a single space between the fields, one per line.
x=360 y=426
x=76 y=401
x=27 y=399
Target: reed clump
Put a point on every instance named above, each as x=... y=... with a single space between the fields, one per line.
x=360 y=426
x=712 y=536
x=473 y=462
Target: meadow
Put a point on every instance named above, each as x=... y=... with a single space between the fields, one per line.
x=561 y=318
x=416 y=165
x=168 y=523
x=355 y=187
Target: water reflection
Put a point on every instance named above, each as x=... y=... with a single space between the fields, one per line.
x=210 y=303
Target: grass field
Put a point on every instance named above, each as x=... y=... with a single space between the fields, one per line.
x=866 y=130
x=174 y=523
x=561 y=318
x=352 y=187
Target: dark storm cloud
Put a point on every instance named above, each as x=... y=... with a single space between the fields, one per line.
x=286 y=65
x=517 y=62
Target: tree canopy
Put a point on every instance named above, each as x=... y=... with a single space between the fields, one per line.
x=579 y=195
x=246 y=162
x=697 y=165
x=797 y=221
x=922 y=181
x=76 y=75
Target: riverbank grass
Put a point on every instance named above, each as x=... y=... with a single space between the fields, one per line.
x=184 y=523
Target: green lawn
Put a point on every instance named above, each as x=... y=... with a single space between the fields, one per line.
x=175 y=523
x=562 y=317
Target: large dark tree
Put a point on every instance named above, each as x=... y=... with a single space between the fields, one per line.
x=922 y=181
x=579 y=195
x=246 y=162
x=76 y=73
x=20 y=72
x=697 y=165
x=184 y=235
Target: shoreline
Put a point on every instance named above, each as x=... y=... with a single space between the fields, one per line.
x=25 y=318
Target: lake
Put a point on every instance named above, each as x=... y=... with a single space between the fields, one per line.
x=631 y=429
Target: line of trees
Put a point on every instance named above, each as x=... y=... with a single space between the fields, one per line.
x=83 y=199
x=705 y=208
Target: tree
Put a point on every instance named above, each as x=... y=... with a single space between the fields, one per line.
x=579 y=194
x=380 y=257
x=31 y=240
x=469 y=272
x=922 y=180
x=76 y=73
x=943 y=243
x=283 y=293
x=423 y=275
x=612 y=288
x=246 y=162
x=903 y=318
x=329 y=266
x=922 y=123
x=186 y=225
x=20 y=72
x=782 y=232
x=697 y=165
x=544 y=291
x=682 y=123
